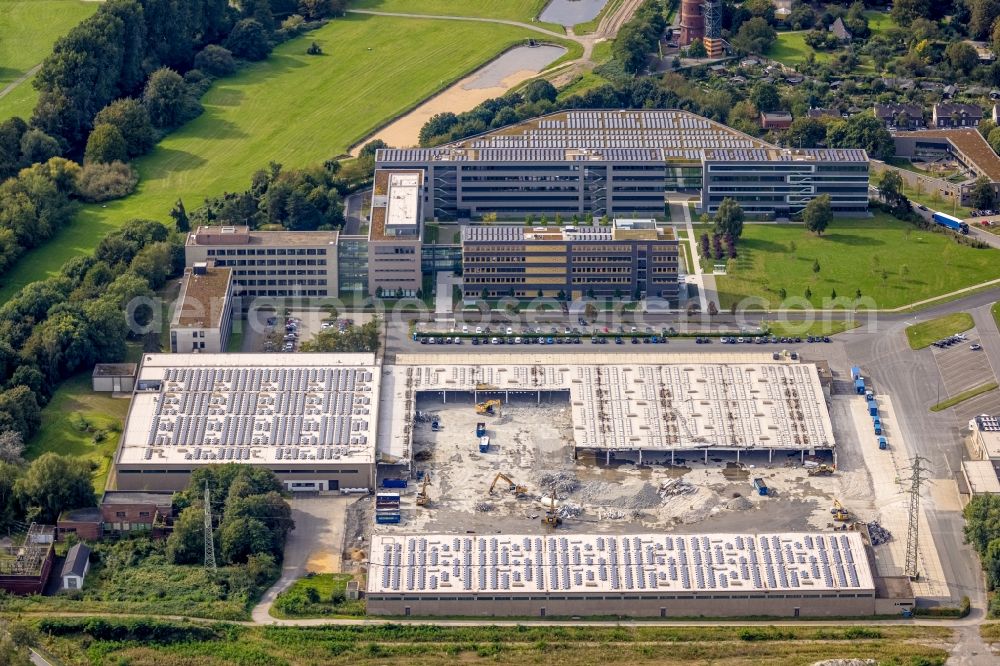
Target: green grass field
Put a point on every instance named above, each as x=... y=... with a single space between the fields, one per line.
x=963 y=396
x=791 y=49
x=853 y=254
x=926 y=332
x=803 y=328
x=61 y=430
x=525 y=11
x=28 y=29
x=294 y=109
x=325 y=585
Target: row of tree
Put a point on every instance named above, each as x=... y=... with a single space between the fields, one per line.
x=253 y=516
x=639 y=37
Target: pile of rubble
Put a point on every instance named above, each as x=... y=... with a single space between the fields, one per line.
x=739 y=504
x=563 y=483
x=484 y=507
x=878 y=533
x=569 y=510
x=674 y=487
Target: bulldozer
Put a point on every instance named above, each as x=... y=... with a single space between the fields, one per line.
x=839 y=512
x=821 y=470
x=423 y=499
x=489 y=407
x=519 y=491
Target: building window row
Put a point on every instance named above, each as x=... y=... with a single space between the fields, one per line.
x=266 y=252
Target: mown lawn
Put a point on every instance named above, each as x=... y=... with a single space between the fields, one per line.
x=515 y=645
x=791 y=49
x=803 y=328
x=525 y=11
x=889 y=261
x=294 y=109
x=71 y=420
x=325 y=586
x=28 y=29
x=927 y=332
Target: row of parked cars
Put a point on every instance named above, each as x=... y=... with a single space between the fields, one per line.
x=763 y=339
x=958 y=338
x=289 y=341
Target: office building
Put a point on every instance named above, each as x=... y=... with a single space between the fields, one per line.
x=203 y=316
x=966 y=146
x=632 y=258
x=394 y=243
x=269 y=263
x=594 y=163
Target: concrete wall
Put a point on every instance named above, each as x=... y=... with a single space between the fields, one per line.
x=109 y=384
x=633 y=605
x=172 y=479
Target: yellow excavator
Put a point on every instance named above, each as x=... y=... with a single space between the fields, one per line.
x=423 y=499
x=551 y=517
x=839 y=512
x=820 y=470
x=488 y=407
x=519 y=491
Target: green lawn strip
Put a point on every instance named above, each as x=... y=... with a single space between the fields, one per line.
x=581 y=84
x=524 y=11
x=804 y=328
x=790 y=48
x=602 y=52
x=590 y=26
x=72 y=419
x=990 y=632
x=963 y=396
x=235 y=344
x=514 y=645
x=334 y=100
x=995 y=311
x=923 y=334
x=293 y=603
x=29 y=28
x=889 y=261
x=688 y=260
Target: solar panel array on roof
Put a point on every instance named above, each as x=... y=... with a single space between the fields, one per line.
x=308 y=413
x=632 y=563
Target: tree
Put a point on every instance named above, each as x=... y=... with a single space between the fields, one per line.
x=817 y=216
x=364 y=338
x=538 y=90
x=754 y=36
x=369 y=149
x=697 y=49
x=905 y=12
x=106 y=144
x=167 y=98
x=131 y=118
x=983 y=195
x=239 y=538
x=53 y=484
x=808 y=293
x=314 y=49
x=11 y=449
x=729 y=218
x=215 y=60
x=765 y=96
x=249 y=40
x=862 y=130
x=983 y=17
x=994 y=140
x=186 y=543
x=805 y=132
x=961 y=56
x=37 y=146
x=816 y=266
x=891 y=188
x=179 y=216
x=270 y=508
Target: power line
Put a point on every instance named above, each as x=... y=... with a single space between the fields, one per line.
x=209 y=540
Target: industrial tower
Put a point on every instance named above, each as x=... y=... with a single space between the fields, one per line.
x=209 y=540
x=912 y=534
x=692 y=21
x=713 y=29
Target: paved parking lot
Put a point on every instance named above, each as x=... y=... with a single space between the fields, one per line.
x=961 y=368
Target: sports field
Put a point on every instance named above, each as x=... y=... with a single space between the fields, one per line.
x=890 y=261
x=294 y=109
x=28 y=29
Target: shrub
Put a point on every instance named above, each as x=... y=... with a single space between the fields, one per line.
x=216 y=60
x=103 y=182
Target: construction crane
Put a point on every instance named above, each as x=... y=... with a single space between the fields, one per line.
x=821 y=470
x=423 y=499
x=518 y=491
x=839 y=512
x=488 y=407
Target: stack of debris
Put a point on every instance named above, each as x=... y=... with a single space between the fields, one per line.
x=878 y=533
x=563 y=483
x=568 y=510
x=674 y=487
x=739 y=504
x=484 y=507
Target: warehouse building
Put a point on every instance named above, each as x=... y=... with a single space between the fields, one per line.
x=965 y=146
x=269 y=263
x=623 y=408
x=639 y=575
x=308 y=417
x=203 y=317
x=631 y=258
x=624 y=163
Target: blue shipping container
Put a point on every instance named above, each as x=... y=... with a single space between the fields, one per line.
x=872 y=408
x=387 y=519
x=855 y=372
x=393 y=483
x=859 y=386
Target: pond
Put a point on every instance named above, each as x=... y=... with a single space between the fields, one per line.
x=571 y=12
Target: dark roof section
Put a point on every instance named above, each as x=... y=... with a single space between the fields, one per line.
x=948 y=109
x=114 y=370
x=840 y=30
x=137 y=497
x=890 y=111
x=76 y=561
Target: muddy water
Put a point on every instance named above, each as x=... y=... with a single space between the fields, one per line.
x=571 y=12
x=493 y=80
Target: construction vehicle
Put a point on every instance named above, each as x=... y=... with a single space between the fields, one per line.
x=423 y=499
x=551 y=517
x=480 y=429
x=839 y=512
x=484 y=444
x=519 y=491
x=820 y=470
x=488 y=407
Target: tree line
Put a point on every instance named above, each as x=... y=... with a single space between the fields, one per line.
x=54 y=328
